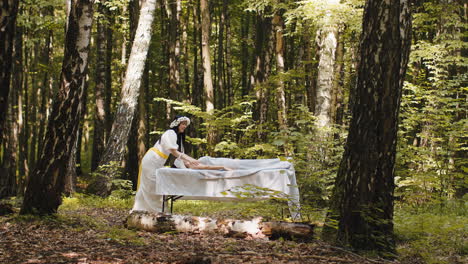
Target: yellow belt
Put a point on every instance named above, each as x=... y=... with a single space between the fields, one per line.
x=157 y=151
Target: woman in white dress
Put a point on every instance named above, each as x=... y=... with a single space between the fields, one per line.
x=171 y=142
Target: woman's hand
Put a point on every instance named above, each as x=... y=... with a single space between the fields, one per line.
x=191 y=161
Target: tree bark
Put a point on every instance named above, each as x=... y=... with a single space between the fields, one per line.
x=245 y=25
x=337 y=108
x=99 y=89
x=229 y=70
x=10 y=147
x=327 y=47
x=220 y=92
x=254 y=228
x=280 y=94
x=7 y=35
x=115 y=146
x=207 y=79
x=362 y=201
x=46 y=183
x=18 y=81
x=45 y=85
x=173 y=9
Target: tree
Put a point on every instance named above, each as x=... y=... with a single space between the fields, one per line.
x=206 y=58
x=117 y=140
x=101 y=115
x=46 y=183
x=362 y=201
x=7 y=33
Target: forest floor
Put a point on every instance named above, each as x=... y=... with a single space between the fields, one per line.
x=98 y=235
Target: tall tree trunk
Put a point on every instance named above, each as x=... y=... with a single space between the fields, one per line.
x=173 y=8
x=337 y=107
x=326 y=40
x=46 y=183
x=196 y=89
x=229 y=88
x=45 y=83
x=280 y=95
x=10 y=155
x=205 y=41
x=108 y=76
x=99 y=89
x=362 y=201
x=220 y=92
x=207 y=80
x=19 y=81
x=308 y=69
x=13 y=122
x=115 y=147
x=185 y=50
x=245 y=25
x=7 y=35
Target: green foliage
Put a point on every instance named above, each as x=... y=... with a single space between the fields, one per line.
x=434 y=233
x=434 y=128
x=80 y=201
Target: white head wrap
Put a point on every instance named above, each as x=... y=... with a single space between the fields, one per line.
x=178 y=120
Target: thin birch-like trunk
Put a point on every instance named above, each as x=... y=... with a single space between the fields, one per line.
x=326 y=40
x=115 y=146
x=46 y=183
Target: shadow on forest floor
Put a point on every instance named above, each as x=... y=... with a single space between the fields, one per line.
x=97 y=235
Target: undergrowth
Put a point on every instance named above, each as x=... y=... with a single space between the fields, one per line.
x=432 y=233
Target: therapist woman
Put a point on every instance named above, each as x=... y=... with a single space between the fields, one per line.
x=171 y=142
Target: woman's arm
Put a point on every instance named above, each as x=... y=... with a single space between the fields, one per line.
x=206 y=167
x=184 y=157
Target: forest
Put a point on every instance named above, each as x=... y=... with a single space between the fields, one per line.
x=367 y=99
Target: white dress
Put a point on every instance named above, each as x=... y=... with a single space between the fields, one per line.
x=146 y=199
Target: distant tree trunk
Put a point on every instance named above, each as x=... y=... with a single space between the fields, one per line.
x=229 y=88
x=362 y=201
x=12 y=148
x=337 y=107
x=10 y=155
x=221 y=94
x=45 y=82
x=142 y=120
x=261 y=70
x=18 y=81
x=245 y=25
x=308 y=69
x=185 y=50
x=7 y=35
x=115 y=147
x=108 y=76
x=326 y=40
x=196 y=88
x=35 y=93
x=280 y=95
x=46 y=183
x=99 y=90
x=173 y=9
x=207 y=80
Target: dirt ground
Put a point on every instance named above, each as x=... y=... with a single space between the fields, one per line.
x=99 y=236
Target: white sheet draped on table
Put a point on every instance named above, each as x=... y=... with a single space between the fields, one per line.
x=215 y=184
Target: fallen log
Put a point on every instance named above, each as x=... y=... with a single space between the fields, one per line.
x=255 y=228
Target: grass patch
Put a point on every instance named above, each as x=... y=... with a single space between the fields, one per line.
x=83 y=201
x=433 y=233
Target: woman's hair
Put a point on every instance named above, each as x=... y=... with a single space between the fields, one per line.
x=180 y=136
